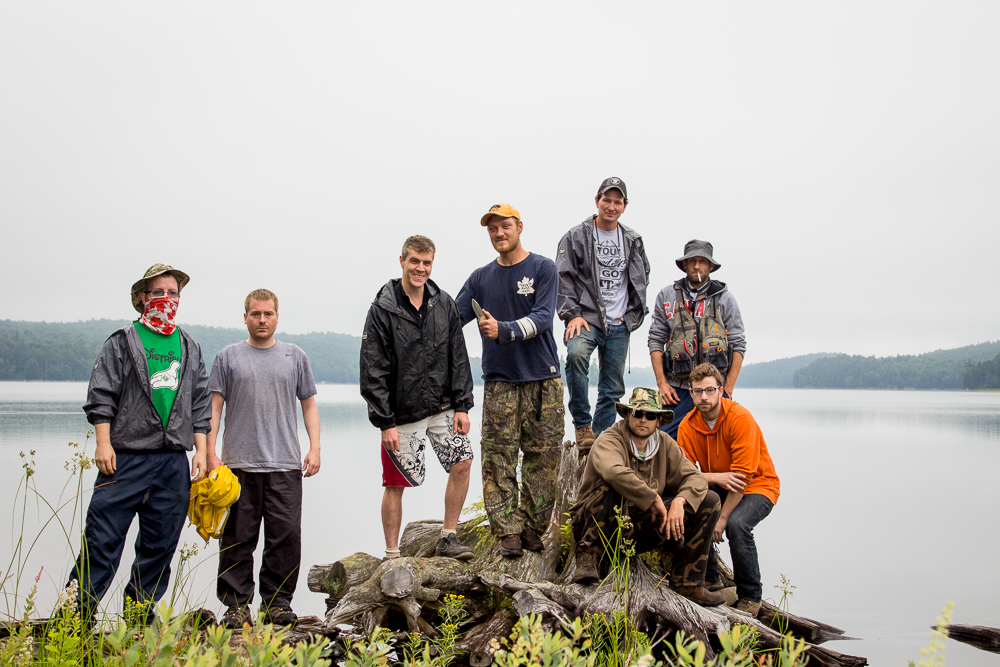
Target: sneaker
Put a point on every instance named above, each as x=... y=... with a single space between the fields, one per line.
x=751 y=607
x=587 y=571
x=450 y=547
x=701 y=595
x=510 y=545
x=716 y=585
x=236 y=616
x=585 y=438
x=530 y=540
x=279 y=616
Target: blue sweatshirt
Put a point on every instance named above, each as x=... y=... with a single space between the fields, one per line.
x=522 y=298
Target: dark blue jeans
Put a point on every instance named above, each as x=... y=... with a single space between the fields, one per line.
x=753 y=509
x=612 y=350
x=157 y=487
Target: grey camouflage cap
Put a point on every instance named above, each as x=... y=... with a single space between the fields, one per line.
x=696 y=248
x=156 y=270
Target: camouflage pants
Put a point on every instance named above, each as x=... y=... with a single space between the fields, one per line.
x=595 y=514
x=528 y=418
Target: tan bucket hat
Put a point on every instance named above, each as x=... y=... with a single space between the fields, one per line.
x=156 y=270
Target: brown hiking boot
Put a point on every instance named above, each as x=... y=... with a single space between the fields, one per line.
x=751 y=607
x=587 y=571
x=236 y=616
x=510 y=545
x=279 y=616
x=701 y=595
x=716 y=585
x=530 y=540
x=585 y=438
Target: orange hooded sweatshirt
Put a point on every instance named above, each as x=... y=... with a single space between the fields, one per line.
x=734 y=445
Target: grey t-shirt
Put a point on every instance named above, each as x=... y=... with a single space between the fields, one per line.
x=260 y=387
x=611 y=272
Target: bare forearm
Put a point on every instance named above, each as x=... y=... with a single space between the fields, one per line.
x=200 y=442
x=734 y=372
x=733 y=499
x=656 y=359
x=102 y=434
x=215 y=423
x=310 y=416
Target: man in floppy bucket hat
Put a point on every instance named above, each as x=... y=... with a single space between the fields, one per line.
x=695 y=320
x=149 y=402
x=635 y=466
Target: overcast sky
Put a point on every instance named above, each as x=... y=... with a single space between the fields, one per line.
x=844 y=158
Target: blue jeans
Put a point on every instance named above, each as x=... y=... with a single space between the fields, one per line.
x=612 y=350
x=157 y=487
x=753 y=509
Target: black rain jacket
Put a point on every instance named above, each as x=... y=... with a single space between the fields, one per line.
x=119 y=394
x=410 y=372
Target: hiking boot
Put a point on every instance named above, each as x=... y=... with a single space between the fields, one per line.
x=530 y=540
x=701 y=595
x=715 y=586
x=585 y=438
x=275 y=615
x=751 y=607
x=587 y=571
x=450 y=547
x=510 y=545
x=236 y=616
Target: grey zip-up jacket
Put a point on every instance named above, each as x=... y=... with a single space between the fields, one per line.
x=577 y=264
x=667 y=305
x=119 y=394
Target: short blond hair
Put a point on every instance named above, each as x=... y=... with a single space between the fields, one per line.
x=417 y=243
x=260 y=295
x=702 y=371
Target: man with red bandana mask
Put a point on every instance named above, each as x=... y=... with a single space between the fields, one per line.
x=149 y=403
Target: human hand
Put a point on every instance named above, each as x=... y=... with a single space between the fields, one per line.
x=462 y=423
x=659 y=511
x=718 y=535
x=573 y=328
x=668 y=393
x=310 y=466
x=105 y=458
x=213 y=461
x=731 y=481
x=675 y=519
x=488 y=326
x=199 y=465
x=390 y=439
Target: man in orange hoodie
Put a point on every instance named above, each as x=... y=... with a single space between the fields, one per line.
x=723 y=438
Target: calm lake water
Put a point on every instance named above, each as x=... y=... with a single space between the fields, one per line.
x=887 y=509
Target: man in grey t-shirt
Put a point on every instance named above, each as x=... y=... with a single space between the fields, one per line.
x=258 y=380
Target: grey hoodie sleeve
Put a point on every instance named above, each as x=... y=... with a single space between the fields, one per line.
x=201 y=395
x=733 y=321
x=568 y=303
x=659 y=328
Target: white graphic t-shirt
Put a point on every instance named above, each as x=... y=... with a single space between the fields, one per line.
x=611 y=272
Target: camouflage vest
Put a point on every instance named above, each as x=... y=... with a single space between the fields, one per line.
x=696 y=342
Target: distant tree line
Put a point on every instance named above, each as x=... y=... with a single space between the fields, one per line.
x=982 y=375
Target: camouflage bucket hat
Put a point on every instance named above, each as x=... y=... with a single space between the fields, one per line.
x=153 y=271
x=645 y=399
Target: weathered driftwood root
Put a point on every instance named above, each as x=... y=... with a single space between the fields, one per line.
x=475 y=644
x=980 y=636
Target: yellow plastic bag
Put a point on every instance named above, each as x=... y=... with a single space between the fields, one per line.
x=211 y=499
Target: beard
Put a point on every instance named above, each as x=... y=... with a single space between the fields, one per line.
x=635 y=434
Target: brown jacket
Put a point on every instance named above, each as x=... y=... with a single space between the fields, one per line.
x=668 y=473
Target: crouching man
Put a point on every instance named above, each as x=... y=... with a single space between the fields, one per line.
x=725 y=441
x=638 y=467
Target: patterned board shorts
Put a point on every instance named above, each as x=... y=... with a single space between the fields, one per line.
x=406 y=467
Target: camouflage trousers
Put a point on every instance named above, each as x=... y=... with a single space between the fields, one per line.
x=594 y=514
x=524 y=418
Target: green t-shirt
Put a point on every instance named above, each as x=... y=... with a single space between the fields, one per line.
x=163 y=356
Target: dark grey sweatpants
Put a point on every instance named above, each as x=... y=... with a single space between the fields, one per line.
x=275 y=497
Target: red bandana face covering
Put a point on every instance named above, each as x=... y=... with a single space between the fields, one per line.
x=159 y=314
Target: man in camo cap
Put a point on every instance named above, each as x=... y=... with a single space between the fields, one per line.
x=635 y=466
x=149 y=403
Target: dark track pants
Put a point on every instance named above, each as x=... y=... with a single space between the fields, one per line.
x=275 y=497
x=157 y=487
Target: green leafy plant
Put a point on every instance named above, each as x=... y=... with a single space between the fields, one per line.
x=528 y=644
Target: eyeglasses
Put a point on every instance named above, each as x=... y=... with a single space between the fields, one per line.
x=710 y=391
x=645 y=414
x=161 y=293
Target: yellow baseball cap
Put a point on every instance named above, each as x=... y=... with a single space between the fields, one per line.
x=503 y=210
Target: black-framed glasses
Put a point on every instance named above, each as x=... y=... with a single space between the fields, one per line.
x=710 y=391
x=645 y=414
x=161 y=293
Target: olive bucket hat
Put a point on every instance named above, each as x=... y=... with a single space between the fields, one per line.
x=696 y=248
x=156 y=270
x=647 y=400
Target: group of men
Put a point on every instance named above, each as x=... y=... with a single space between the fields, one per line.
x=151 y=400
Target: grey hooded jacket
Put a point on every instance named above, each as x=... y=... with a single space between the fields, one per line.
x=577 y=264
x=119 y=394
